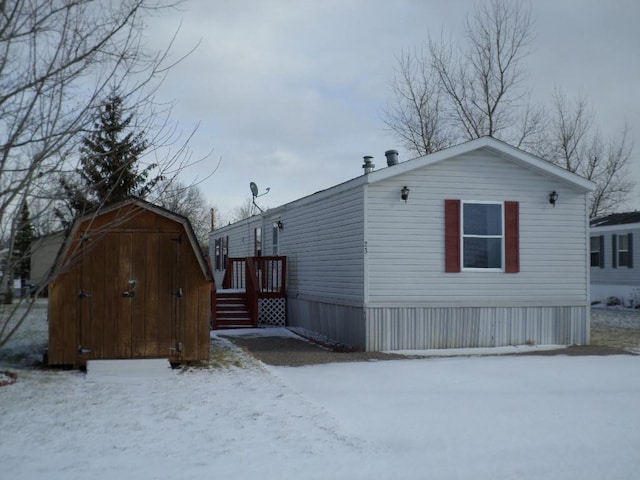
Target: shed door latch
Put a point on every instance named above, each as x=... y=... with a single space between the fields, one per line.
x=131 y=292
x=82 y=295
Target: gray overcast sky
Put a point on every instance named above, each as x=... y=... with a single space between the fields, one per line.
x=290 y=94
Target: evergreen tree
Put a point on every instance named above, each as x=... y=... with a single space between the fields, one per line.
x=22 y=246
x=109 y=163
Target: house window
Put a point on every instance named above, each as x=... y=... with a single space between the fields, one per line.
x=622 y=250
x=597 y=247
x=221 y=253
x=275 y=238
x=482 y=236
x=217 y=254
x=482 y=239
x=225 y=251
x=257 y=237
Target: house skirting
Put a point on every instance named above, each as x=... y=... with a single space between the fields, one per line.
x=343 y=323
x=416 y=328
x=627 y=294
x=421 y=328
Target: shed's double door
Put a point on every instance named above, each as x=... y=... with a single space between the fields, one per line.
x=129 y=295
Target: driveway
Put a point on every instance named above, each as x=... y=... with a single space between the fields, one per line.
x=614 y=332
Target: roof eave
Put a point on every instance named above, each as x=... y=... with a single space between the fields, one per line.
x=490 y=144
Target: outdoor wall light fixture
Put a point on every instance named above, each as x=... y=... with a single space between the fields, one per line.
x=280 y=225
x=404 y=194
x=553 y=198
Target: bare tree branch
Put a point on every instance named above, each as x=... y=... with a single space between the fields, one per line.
x=446 y=94
x=58 y=59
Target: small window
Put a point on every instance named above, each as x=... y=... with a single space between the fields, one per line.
x=596 y=252
x=482 y=238
x=225 y=251
x=257 y=236
x=274 y=242
x=623 y=250
x=217 y=254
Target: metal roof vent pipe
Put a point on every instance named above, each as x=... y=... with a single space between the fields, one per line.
x=368 y=164
x=392 y=157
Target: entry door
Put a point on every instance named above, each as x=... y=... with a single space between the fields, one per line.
x=130 y=299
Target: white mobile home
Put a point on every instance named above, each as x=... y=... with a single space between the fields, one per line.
x=477 y=245
x=614 y=270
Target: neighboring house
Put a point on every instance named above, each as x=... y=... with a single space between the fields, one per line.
x=131 y=283
x=614 y=271
x=477 y=245
x=43 y=255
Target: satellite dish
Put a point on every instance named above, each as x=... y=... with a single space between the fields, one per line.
x=254 y=192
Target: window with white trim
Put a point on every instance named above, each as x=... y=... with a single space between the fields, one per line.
x=221 y=246
x=596 y=252
x=623 y=250
x=482 y=236
x=274 y=240
x=257 y=241
x=217 y=253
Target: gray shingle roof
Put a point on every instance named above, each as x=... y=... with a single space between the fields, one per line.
x=616 y=219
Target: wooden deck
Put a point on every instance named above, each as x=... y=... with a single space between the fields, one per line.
x=247 y=283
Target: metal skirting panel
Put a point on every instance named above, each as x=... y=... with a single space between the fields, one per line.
x=342 y=323
x=415 y=328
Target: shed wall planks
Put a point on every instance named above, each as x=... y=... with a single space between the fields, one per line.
x=117 y=319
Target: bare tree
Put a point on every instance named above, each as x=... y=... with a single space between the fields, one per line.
x=247 y=209
x=416 y=113
x=243 y=211
x=445 y=95
x=576 y=145
x=58 y=59
x=484 y=81
x=190 y=202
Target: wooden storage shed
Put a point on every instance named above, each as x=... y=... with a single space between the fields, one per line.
x=132 y=282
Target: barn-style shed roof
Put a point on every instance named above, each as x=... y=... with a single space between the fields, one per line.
x=134 y=205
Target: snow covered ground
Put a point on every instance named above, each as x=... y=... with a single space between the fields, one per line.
x=522 y=417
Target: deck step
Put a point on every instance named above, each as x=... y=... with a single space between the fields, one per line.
x=231 y=310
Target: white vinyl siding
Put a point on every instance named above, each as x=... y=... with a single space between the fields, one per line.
x=406 y=240
x=241 y=241
x=323 y=240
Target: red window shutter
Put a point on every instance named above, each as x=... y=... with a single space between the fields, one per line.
x=511 y=237
x=452 y=235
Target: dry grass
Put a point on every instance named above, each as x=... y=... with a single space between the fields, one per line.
x=610 y=336
x=613 y=328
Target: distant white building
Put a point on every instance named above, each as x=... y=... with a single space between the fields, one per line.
x=477 y=245
x=613 y=247
x=43 y=255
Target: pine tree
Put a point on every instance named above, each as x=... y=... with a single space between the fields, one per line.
x=22 y=246
x=109 y=163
